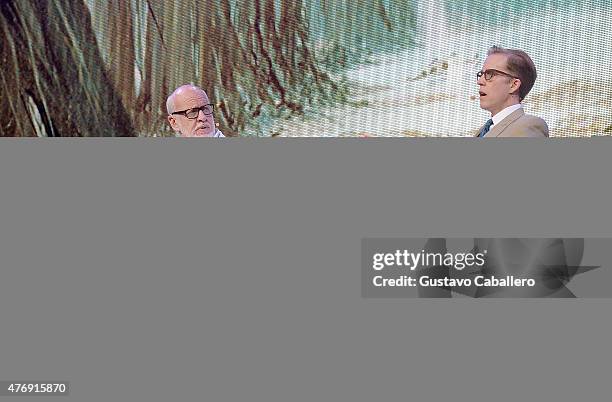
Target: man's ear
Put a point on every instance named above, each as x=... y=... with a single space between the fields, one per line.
x=173 y=123
x=516 y=84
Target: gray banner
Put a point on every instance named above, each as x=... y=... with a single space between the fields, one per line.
x=178 y=270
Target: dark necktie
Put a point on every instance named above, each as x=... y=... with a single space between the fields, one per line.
x=485 y=129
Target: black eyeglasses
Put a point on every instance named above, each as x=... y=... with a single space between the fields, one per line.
x=194 y=112
x=490 y=73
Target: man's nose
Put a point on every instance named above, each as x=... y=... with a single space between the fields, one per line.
x=201 y=115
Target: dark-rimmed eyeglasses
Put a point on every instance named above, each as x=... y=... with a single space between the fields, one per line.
x=194 y=112
x=490 y=73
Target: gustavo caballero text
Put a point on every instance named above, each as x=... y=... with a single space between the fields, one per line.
x=427 y=281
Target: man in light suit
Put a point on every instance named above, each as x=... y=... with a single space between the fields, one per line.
x=190 y=113
x=506 y=78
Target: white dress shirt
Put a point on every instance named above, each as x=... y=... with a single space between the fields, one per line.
x=505 y=113
x=218 y=134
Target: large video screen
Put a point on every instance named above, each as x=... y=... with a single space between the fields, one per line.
x=293 y=68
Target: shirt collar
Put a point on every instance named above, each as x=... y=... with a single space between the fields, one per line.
x=505 y=113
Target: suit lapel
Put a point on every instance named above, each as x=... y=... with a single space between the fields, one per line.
x=499 y=128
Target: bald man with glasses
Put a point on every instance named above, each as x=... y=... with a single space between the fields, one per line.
x=190 y=113
x=506 y=78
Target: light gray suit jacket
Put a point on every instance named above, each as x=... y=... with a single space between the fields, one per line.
x=519 y=124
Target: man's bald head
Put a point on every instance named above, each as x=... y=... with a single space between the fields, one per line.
x=187 y=97
x=182 y=92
